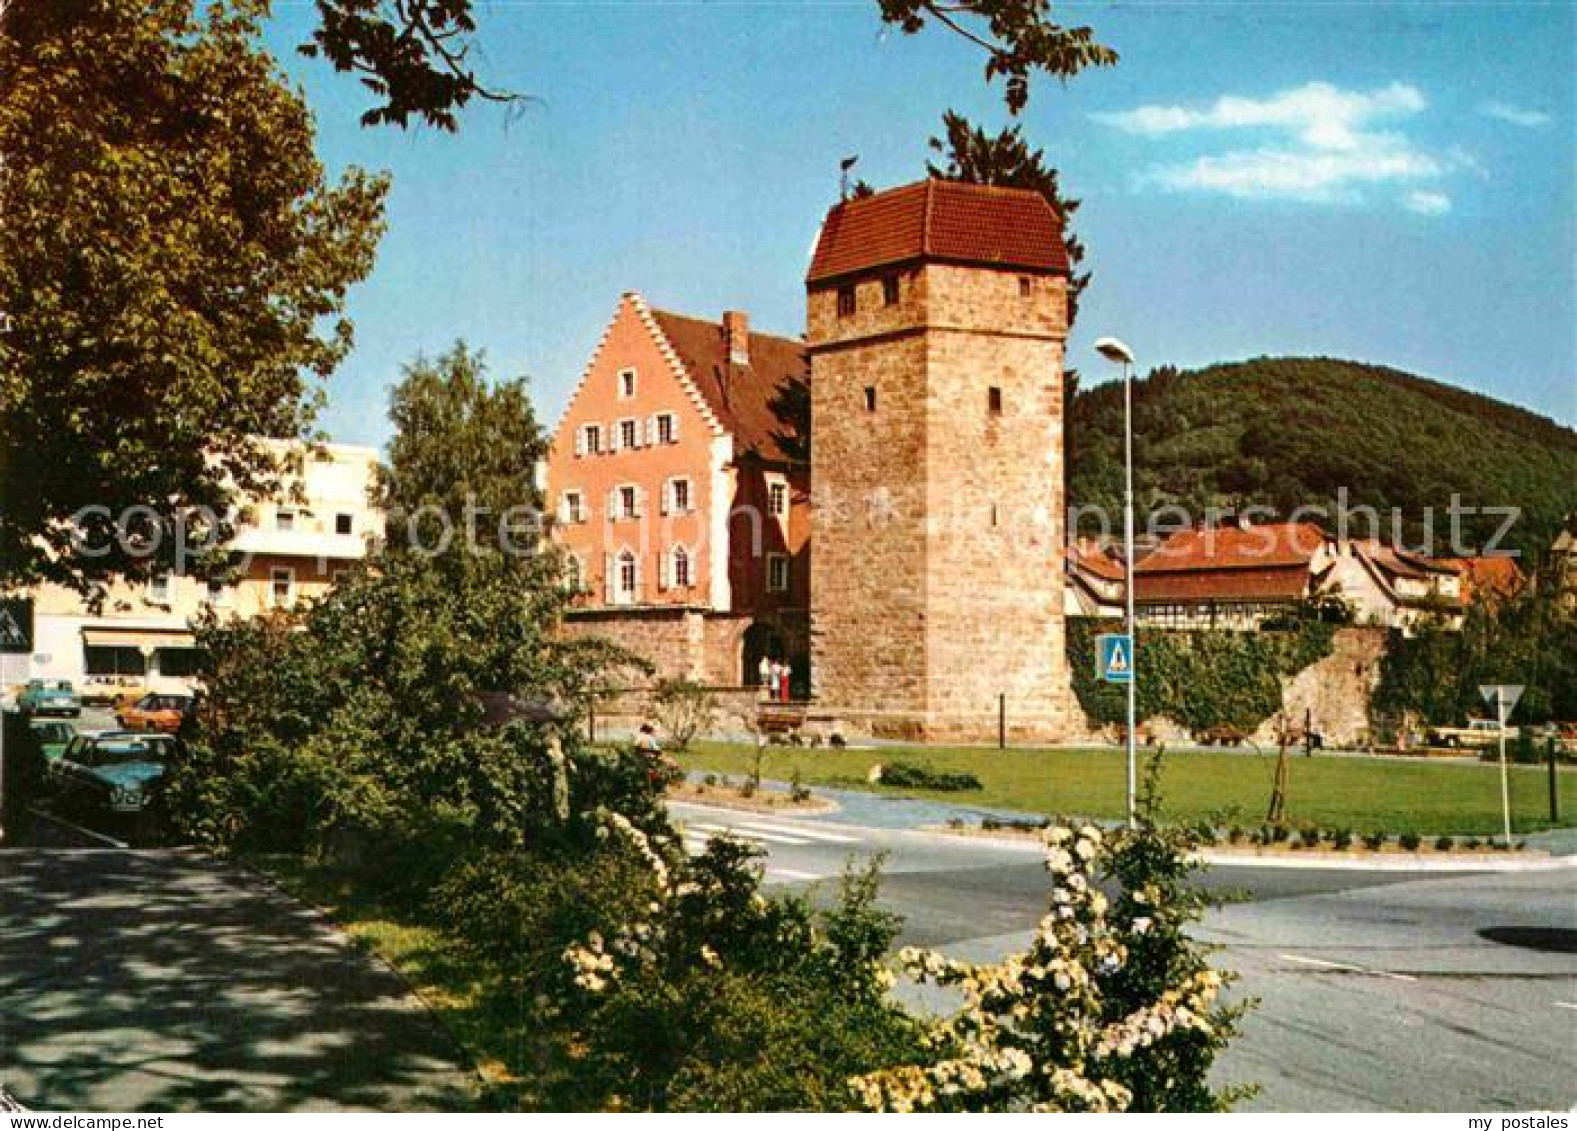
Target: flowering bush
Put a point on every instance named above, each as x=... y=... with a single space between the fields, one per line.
x=717 y=998
x=1111 y=1008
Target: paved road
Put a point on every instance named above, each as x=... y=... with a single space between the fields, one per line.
x=168 y=981
x=1378 y=990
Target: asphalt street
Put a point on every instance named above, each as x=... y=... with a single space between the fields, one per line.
x=169 y=981
x=1378 y=990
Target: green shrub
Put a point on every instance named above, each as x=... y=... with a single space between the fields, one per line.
x=907 y=775
x=1342 y=839
x=1374 y=841
x=1444 y=843
x=797 y=789
x=1409 y=842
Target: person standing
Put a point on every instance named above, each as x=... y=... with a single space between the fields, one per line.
x=764 y=677
x=788 y=674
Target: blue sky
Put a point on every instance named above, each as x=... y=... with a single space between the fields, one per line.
x=1394 y=183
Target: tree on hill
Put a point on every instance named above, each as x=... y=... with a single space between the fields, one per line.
x=173 y=271
x=1285 y=433
x=463 y=458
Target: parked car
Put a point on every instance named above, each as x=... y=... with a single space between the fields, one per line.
x=115 y=771
x=155 y=712
x=49 y=697
x=52 y=736
x=1221 y=736
x=1478 y=732
x=1564 y=735
x=112 y=690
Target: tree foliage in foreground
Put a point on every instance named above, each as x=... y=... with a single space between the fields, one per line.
x=1019 y=37
x=413 y=55
x=173 y=271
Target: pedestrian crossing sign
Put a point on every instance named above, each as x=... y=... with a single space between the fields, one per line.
x=1114 y=655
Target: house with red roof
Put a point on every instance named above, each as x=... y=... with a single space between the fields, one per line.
x=680 y=491
x=1095 y=581
x=1231 y=575
x=1489 y=579
x=1396 y=588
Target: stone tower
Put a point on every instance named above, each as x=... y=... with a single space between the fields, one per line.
x=936 y=318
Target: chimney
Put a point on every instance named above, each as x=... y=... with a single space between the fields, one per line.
x=736 y=335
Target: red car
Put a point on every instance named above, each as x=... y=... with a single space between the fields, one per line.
x=155 y=712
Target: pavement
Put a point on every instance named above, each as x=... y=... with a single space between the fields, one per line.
x=169 y=981
x=1379 y=990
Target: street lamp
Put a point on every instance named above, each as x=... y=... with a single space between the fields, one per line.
x=1113 y=350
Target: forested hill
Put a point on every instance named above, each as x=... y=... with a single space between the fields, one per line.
x=1285 y=432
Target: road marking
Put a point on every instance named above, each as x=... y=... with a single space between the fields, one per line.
x=1566 y=1005
x=1345 y=967
x=796 y=830
x=746 y=834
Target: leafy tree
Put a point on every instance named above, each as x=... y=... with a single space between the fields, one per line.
x=1019 y=37
x=1529 y=639
x=173 y=268
x=463 y=459
x=412 y=54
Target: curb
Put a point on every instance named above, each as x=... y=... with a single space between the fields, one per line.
x=1311 y=860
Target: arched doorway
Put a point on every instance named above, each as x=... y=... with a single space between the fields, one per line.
x=762 y=642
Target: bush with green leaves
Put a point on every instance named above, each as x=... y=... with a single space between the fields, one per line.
x=711 y=997
x=908 y=775
x=356 y=720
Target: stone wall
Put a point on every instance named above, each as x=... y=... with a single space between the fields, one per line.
x=1336 y=690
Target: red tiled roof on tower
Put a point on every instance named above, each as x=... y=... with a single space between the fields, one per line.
x=946 y=221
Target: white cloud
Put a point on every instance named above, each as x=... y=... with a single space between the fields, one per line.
x=1318 y=114
x=1325 y=145
x=1427 y=203
x=1516 y=115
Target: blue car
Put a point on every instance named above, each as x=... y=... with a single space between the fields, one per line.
x=49 y=697
x=116 y=771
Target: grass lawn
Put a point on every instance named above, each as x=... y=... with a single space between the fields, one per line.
x=1362 y=794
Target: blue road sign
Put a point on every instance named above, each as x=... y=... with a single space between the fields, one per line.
x=1114 y=657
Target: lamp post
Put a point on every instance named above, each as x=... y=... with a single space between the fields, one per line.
x=1114 y=350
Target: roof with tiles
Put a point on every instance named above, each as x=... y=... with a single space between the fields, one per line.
x=1089 y=555
x=947 y=221
x=1494 y=576
x=741 y=396
x=1254 y=547
x=1274 y=583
